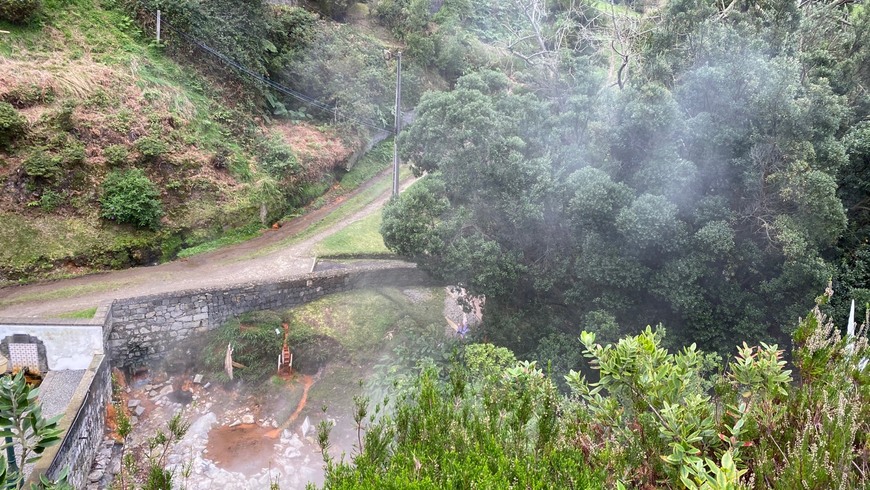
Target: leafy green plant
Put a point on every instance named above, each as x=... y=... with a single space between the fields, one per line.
x=12 y=124
x=150 y=148
x=42 y=164
x=116 y=155
x=48 y=201
x=19 y=11
x=277 y=158
x=255 y=345
x=22 y=424
x=131 y=197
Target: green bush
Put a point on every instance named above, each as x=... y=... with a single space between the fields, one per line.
x=115 y=155
x=276 y=158
x=42 y=164
x=12 y=124
x=150 y=148
x=19 y=11
x=29 y=94
x=131 y=197
x=73 y=153
x=255 y=345
x=48 y=201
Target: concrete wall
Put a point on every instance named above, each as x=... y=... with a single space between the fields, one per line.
x=84 y=427
x=142 y=329
x=68 y=344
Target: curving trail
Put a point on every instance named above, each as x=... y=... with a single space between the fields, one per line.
x=261 y=258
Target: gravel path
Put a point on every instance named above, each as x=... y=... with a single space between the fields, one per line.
x=261 y=258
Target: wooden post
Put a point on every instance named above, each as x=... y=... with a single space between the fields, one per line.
x=158 y=26
x=398 y=126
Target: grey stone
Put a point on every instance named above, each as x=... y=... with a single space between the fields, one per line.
x=133 y=403
x=247 y=419
x=95 y=476
x=139 y=411
x=197 y=379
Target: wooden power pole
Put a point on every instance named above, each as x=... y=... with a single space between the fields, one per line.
x=398 y=126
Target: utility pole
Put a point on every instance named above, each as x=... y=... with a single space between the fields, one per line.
x=398 y=126
x=158 y=26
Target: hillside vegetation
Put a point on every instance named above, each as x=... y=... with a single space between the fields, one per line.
x=694 y=164
x=116 y=151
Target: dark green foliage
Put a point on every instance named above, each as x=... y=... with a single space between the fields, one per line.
x=42 y=164
x=49 y=200
x=29 y=94
x=653 y=419
x=23 y=425
x=255 y=345
x=277 y=158
x=19 y=11
x=150 y=148
x=337 y=9
x=116 y=155
x=497 y=434
x=130 y=197
x=675 y=204
x=12 y=125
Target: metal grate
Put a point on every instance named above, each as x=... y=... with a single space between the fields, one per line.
x=24 y=356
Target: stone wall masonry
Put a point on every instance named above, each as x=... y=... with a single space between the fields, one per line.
x=142 y=329
x=84 y=428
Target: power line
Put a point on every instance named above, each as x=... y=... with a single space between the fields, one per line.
x=370 y=123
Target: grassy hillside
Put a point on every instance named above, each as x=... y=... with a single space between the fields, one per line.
x=84 y=94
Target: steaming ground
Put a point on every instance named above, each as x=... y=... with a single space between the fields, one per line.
x=246 y=437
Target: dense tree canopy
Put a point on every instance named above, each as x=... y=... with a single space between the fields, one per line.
x=710 y=194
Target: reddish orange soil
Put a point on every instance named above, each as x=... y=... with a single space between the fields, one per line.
x=243 y=449
x=307 y=381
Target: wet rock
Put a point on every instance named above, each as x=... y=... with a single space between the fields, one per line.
x=95 y=476
x=306 y=424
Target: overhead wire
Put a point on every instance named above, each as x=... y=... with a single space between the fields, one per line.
x=370 y=123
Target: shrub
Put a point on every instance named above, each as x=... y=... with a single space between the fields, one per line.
x=48 y=201
x=19 y=11
x=63 y=118
x=151 y=148
x=255 y=345
x=29 y=94
x=115 y=155
x=73 y=153
x=131 y=197
x=12 y=124
x=42 y=164
x=276 y=158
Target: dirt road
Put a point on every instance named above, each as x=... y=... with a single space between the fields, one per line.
x=262 y=258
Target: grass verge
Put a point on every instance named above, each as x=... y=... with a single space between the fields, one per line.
x=79 y=314
x=67 y=292
x=360 y=238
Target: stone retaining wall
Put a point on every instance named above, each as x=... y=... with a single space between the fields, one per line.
x=84 y=427
x=142 y=329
